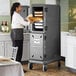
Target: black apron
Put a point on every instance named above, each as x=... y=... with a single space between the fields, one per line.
x=17 y=34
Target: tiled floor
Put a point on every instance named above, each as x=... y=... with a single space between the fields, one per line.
x=52 y=70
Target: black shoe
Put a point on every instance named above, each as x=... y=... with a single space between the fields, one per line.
x=24 y=71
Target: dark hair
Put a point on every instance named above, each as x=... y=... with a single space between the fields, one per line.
x=13 y=8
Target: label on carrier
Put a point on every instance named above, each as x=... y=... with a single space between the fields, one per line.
x=37 y=41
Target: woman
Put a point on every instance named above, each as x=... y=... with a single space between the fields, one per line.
x=17 y=26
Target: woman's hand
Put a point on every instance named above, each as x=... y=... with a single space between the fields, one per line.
x=30 y=21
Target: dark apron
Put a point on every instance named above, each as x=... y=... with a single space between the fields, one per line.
x=17 y=34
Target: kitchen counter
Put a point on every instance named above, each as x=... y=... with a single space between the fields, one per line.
x=4 y=33
x=6 y=36
x=6 y=44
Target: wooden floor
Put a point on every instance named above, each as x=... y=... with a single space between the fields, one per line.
x=52 y=70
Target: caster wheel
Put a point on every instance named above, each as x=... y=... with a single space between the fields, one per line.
x=30 y=66
x=44 y=68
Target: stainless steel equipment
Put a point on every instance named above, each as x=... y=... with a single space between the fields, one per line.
x=45 y=36
x=24 y=13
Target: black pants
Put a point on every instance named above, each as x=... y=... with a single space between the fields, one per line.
x=19 y=44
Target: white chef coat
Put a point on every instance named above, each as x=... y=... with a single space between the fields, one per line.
x=18 y=21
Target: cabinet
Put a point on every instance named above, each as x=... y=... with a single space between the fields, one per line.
x=6 y=46
x=24 y=12
x=26 y=47
x=2 y=52
x=8 y=49
x=64 y=43
x=25 y=56
x=71 y=52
